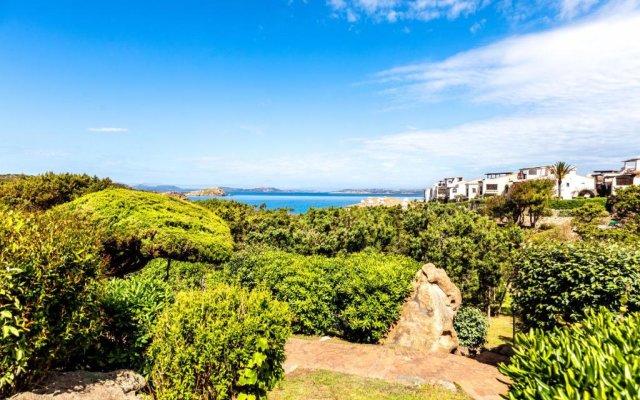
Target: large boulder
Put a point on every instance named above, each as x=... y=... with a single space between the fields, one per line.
x=426 y=321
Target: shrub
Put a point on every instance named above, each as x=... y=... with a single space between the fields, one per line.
x=130 y=308
x=42 y=192
x=472 y=327
x=626 y=203
x=48 y=311
x=358 y=296
x=559 y=204
x=183 y=275
x=597 y=358
x=140 y=226
x=473 y=249
x=556 y=281
x=219 y=344
x=588 y=213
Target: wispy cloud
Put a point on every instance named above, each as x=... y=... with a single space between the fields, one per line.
x=567 y=93
x=108 y=130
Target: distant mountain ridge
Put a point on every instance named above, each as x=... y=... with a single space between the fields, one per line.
x=377 y=191
x=228 y=189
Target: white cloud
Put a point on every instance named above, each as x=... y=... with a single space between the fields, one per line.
x=108 y=130
x=477 y=26
x=394 y=10
x=571 y=8
x=570 y=93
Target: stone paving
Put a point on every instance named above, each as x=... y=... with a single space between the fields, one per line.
x=396 y=364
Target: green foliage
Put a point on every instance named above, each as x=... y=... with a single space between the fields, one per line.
x=130 y=308
x=473 y=249
x=558 y=204
x=588 y=213
x=141 y=225
x=357 y=297
x=598 y=358
x=523 y=199
x=472 y=327
x=183 y=275
x=48 y=310
x=626 y=203
x=42 y=192
x=222 y=343
x=556 y=281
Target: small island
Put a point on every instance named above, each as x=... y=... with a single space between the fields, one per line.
x=211 y=192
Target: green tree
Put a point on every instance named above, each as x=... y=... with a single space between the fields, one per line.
x=42 y=192
x=560 y=170
x=139 y=226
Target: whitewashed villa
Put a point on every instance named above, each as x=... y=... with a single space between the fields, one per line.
x=598 y=183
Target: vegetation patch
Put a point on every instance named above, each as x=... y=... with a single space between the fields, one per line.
x=357 y=297
x=472 y=327
x=322 y=385
x=555 y=282
x=597 y=358
x=223 y=343
x=140 y=226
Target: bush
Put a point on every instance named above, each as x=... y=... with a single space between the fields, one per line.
x=559 y=204
x=140 y=226
x=626 y=204
x=49 y=267
x=42 y=192
x=130 y=308
x=219 y=344
x=183 y=275
x=472 y=327
x=588 y=213
x=556 y=281
x=597 y=358
x=357 y=297
x=473 y=249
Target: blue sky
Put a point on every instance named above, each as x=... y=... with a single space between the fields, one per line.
x=316 y=94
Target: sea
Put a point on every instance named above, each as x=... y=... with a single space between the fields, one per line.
x=300 y=202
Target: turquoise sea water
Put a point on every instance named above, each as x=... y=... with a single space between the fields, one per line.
x=300 y=202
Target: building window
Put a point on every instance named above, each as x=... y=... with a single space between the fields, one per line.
x=624 y=180
x=567 y=184
x=473 y=190
x=492 y=186
x=533 y=172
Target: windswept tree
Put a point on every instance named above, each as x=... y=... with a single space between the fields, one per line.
x=139 y=226
x=561 y=169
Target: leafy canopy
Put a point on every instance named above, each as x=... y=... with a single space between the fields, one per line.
x=141 y=225
x=42 y=192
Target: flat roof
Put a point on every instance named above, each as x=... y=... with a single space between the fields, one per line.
x=499 y=173
x=539 y=166
x=632 y=159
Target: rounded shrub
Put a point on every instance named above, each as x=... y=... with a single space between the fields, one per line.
x=597 y=358
x=140 y=226
x=49 y=266
x=222 y=343
x=472 y=327
x=555 y=282
x=357 y=296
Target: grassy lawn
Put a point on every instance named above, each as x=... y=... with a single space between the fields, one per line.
x=500 y=331
x=325 y=385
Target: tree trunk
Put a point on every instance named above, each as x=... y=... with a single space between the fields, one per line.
x=559 y=188
x=166 y=278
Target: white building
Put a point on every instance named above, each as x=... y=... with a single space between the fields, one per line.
x=497 y=183
x=609 y=181
x=472 y=189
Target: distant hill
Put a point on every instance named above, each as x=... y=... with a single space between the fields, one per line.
x=161 y=188
x=255 y=190
x=211 y=192
x=378 y=191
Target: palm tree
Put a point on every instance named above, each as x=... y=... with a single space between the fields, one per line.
x=561 y=169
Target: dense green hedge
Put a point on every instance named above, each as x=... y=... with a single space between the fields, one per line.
x=42 y=192
x=357 y=297
x=598 y=358
x=49 y=267
x=473 y=249
x=130 y=308
x=223 y=343
x=183 y=275
x=471 y=326
x=558 y=204
x=141 y=225
x=556 y=281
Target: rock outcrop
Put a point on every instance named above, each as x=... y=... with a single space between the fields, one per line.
x=177 y=195
x=207 y=192
x=84 y=385
x=426 y=321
